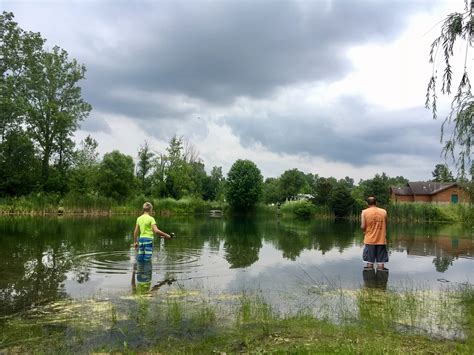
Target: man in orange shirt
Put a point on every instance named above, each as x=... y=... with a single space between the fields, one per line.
x=374 y=225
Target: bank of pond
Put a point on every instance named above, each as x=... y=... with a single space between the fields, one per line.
x=42 y=204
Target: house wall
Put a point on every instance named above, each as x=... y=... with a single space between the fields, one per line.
x=422 y=198
x=402 y=198
x=445 y=195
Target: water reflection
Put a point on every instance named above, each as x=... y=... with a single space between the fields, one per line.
x=376 y=279
x=45 y=259
x=142 y=276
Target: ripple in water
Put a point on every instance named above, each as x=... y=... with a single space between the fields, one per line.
x=122 y=262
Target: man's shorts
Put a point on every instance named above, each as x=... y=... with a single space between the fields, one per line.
x=375 y=253
x=145 y=248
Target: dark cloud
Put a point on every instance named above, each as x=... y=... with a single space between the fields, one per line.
x=214 y=51
x=359 y=139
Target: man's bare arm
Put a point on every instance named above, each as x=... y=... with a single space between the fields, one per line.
x=362 y=221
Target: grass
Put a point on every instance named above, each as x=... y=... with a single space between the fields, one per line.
x=381 y=322
x=427 y=212
x=91 y=204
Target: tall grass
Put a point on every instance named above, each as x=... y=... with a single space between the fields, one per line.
x=191 y=323
x=92 y=204
x=428 y=212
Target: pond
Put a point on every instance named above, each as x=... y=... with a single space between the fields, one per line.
x=46 y=259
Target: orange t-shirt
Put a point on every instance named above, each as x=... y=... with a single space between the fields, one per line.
x=375 y=225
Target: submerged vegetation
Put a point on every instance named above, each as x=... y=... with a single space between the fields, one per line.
x=183 y=321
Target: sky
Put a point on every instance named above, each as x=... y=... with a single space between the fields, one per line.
x=331 y=87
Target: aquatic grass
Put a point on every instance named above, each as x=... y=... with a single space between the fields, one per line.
x=430 y=212
x=248 y=324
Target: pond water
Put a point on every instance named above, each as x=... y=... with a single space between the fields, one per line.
x=46 y=259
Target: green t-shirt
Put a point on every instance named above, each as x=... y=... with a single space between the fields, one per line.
x=145 y=222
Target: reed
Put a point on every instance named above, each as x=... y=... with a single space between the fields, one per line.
x=406 y=319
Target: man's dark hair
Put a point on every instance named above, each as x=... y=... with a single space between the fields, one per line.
x=371 y=201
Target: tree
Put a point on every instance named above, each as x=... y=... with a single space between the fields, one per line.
x=213 y=188
x=271 y=191
x=53 y=102
x=341 y=200
x=323 y=190
x=84 y=170
x=177 y=178
x=291 y=183
x=116 y=177
x=379 y=187
x=16 y=46
x=244 y=185
x=19 y=166
x=441 y=173
x=144 y=166
x=457 y=27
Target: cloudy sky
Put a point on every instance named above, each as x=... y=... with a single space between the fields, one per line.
x=332 y=87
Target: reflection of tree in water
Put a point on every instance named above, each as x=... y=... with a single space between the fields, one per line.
x=442 y=263
x=242 y=242
x=38 y=252
x=294 y=237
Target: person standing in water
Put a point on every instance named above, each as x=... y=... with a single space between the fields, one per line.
x=145 y=228
x=374 y=225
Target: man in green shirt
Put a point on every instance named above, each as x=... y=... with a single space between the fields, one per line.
x=145 y=228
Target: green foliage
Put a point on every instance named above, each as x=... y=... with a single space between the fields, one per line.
x=428 y=212
x=291 y=183
x=271 y=191
x=213 y=188
x=459 y=123
x=341 y=201
x=115 y=177
x=144 y=166
x=244 y=185
x=379 y=187
x=305 y=209
x=323 y=190
x=19 y=166
x=53 y=103
x=40 y=93
x=441 y=173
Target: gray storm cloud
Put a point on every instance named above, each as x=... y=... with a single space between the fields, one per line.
x=141 y=54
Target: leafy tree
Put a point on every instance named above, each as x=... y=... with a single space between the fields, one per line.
x=457 y=27
x=116 y=177
x=398 y=181
x=323 y=190
x=379 y=187
x=213 y=188
x=85 y=165
x=441 y=173
x=291 y=183
x=198 y=178
x=271 y=191
x=53 y=102
x=177 y=178
x=244 y=185
x=144 y=167
x=16 y=47
x=19 y=166
x=341 y=200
